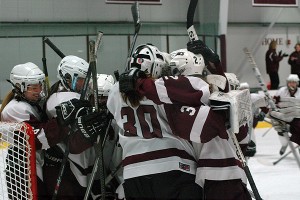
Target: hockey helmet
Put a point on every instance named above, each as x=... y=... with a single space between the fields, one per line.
x=233 y=81
x=186 y=63
x=244 y=86
x=293 y=78
x=26 y=74
x=70 y=69
x=105 y=83
x=149 y=59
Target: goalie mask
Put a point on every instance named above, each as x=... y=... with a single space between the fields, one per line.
x=233 y=81
x=70 y=70
x=292 y=82
x=186 y=63
x=24 y=76
x=148 y=59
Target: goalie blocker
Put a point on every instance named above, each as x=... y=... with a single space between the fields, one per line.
x=238 y=102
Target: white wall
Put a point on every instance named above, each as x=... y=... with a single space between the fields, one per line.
x=87 y=11
x=241 y=37
x=246 y=27
x=246 y=24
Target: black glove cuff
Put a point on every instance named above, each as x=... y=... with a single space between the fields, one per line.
x=127 y=80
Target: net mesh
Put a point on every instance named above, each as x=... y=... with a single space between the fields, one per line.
x=16 y=161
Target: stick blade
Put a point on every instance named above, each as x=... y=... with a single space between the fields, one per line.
x=136 y=15
x=190 y=13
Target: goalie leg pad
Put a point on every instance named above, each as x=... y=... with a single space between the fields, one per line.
x=240 y=106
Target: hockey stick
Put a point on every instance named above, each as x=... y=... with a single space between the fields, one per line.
x=284 y=156
x=137 y=25
x=271 y=102
x=47 y=41
x=45 y=69
x=82 y=96
x=99 y=162
x=245 y=166
x=190 y=20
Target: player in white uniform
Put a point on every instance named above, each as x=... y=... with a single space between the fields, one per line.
x=65 y=106
x=23 y=104
x=191 y=118
x=157 y=164
x=112 y=151
x=286 y=100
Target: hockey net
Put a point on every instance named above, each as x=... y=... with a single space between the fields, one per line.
x=17 y=162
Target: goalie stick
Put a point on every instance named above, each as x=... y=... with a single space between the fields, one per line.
x=271 y=102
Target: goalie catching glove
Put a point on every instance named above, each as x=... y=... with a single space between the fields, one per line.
x=128 y=79
x=93 y=124
x=70 y=110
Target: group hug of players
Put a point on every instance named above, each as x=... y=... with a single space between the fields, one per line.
x=170 y=118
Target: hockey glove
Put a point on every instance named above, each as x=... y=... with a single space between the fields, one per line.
x=278 y=125
x=261 y=116
x=198 y=47
x=93 y=125
x=128 y=79
x=68 y=111
x=251 y=149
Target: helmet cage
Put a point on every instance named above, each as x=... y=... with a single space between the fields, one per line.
x=148 y=59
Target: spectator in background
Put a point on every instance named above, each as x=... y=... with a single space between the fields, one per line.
x=294 y=60
x=272 y=64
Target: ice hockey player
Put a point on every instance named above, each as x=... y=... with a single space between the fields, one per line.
x=65 y=106
x=287 y=100
x=24 y=104
x=112 y=151
x=157 y=164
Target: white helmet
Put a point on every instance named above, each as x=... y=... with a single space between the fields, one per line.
x=244 y=85
x=105 y=83
x=293 y=78
x=149 y=59
x=186 y=63
x=233 y=81
x=26 y=74
x=70 y=68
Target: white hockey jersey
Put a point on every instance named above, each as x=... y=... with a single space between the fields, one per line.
x=148 y=145
x=21 y=111
x=191 y=118
x=81 y=163
x=284 y=92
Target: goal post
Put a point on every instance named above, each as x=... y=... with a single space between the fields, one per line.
x=17 y=162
